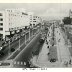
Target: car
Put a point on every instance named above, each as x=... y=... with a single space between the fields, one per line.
x=12 y=49
x=48 y=53
x=48 y=47
x=1 y=53
x=53 y=60
x=4 y=64
x=41 y=40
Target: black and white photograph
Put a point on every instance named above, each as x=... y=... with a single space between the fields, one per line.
x=35 y=35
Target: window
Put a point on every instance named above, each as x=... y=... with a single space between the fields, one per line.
x=9 y=23
x=36 y=16
x=1 y=19
x=1 y=14
x=1 y=24
x=1 y=28
x=34 y=21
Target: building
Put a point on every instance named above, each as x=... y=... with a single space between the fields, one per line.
x=36 y=20
x=12 y=20
x=33 y=19
x=31 y=14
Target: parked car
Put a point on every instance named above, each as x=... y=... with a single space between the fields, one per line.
x=4 y=64
x=12 y=49
x=41 y=40
x=48 y=47
x=1 y=53
x=53 y=60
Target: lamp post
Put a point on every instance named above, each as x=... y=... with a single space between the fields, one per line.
x=29 y=33
x=9 y=46
x=19 y=42
x=25 y=38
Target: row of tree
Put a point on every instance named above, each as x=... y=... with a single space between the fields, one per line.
x=67 y=20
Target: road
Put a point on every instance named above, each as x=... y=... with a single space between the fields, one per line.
x=15 y=45
x=42 y=59
x=63 y=51
x=26 y=53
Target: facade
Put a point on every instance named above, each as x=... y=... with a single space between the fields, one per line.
x=12 y=20
x=36 y=20
x=2 y=23
x=30 y=14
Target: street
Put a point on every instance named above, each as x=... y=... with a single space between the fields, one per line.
x=15 y=45
x=26 y=53
x=53 y=52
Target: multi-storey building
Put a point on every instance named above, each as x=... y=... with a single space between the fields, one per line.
x=12 y=20
x=36 y=20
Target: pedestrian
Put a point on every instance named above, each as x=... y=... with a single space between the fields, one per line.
x=48 y=53
x=66 y=63
x=70 y=61
x=47 y=43
x=48 y=47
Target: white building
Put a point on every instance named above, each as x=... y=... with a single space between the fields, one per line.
x=31 y=14
x=11 y=20
x=36 y=20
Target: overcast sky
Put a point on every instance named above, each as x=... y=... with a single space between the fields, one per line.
x=50 y=10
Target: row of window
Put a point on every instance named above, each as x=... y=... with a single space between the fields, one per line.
x=15 y=15
x=34 y=19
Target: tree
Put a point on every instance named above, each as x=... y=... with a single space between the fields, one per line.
x=67 y=20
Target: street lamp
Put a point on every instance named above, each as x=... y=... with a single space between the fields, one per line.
x=9 y=46
x=25 y=38
x=19 y=42
x=29 y=33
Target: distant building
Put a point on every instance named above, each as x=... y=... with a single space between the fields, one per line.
x=34 y=20
x=70 y=15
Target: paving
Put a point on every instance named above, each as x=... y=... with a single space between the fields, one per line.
x=63 y=51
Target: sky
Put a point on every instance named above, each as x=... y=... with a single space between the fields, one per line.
x=48 y=10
